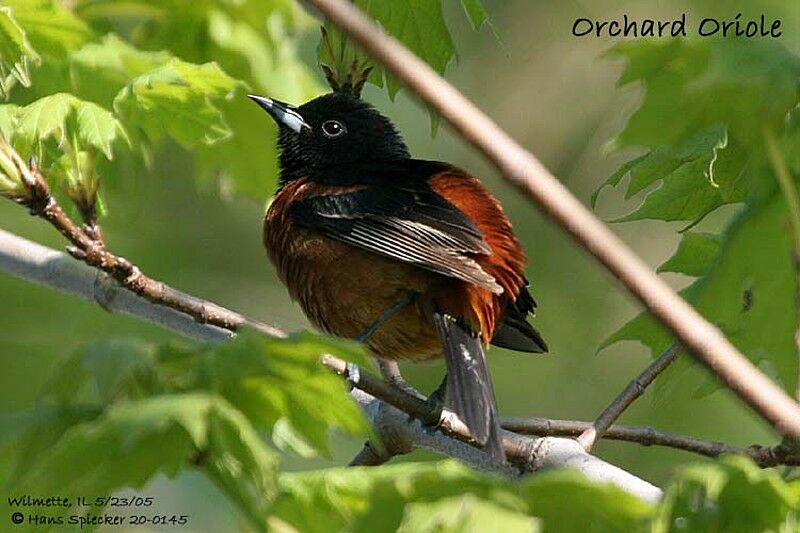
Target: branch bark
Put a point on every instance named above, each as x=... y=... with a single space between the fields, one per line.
x=523 y=170
x=394 y=426
x=92 y=251
x=44 y=266
x=765 y=456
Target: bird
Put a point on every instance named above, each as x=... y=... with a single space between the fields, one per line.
x=414 y=258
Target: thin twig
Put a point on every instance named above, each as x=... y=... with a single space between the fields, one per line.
x=405 y=401
x=765 y=456
x=630 y=394
x=522 y=169
x=56 y=270
x=41 y=203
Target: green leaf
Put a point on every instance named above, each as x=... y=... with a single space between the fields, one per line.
x=383 y=499
x=52 y=29
x=51 y=116
x=661 y=162
x=475 y=12
x=279 y=384
x=8 y=120
x=185 y=93
x=131 y=442
x=697 y=176
x=98 y=127
x=706 y=103
x=464 y=514
x=695 y=254
x=16 y=53
x=744 y=292
x=100 y=70
x=566 y=501
x=44 y=118
x=35 y=431
x=477 y=16
x=103 y=372
x=270 y=380
x=418 y=24
x=733 y=495
x=684 y=195
x=694 y=84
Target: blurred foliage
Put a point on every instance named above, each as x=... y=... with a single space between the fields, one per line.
x=118 y=412
x=15 y=50
x=431 y=497
x=97 y=89
x=709 y=108
x=734 y=495
x=137 y=64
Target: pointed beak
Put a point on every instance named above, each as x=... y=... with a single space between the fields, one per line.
x=283 y=114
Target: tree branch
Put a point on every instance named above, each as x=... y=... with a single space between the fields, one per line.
x=522 y=169
x=394 y=426
x=765 y=456
x=38 y=199
x=630 y=394
x=44 y=266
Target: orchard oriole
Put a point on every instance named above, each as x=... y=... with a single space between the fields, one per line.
x=416 y=258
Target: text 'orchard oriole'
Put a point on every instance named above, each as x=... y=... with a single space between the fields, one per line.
x=416 y=258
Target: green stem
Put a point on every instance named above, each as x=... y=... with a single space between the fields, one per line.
x=789 y=191
x=786 y=183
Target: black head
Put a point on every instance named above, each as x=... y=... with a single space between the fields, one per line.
x=334 y=129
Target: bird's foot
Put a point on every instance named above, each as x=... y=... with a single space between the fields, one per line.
x=436 y=402
x=390 y=371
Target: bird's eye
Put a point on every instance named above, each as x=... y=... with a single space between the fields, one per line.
x=333 y=128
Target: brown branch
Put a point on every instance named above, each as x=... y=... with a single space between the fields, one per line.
x=39 y=200
x=396 y=397
x=522 y=169
x=765 y=456
x=630 y=394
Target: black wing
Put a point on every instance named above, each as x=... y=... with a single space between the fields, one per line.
x=407 y=222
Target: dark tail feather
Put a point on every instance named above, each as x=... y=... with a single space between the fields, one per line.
x=514 y=332
x=469 y=384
